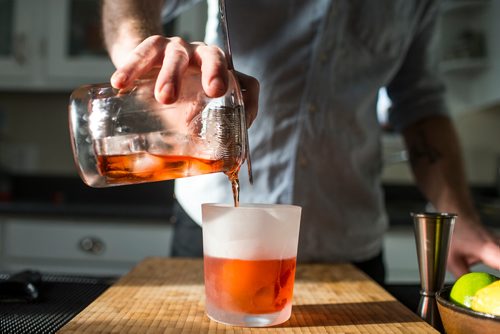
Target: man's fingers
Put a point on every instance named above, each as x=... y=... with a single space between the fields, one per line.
x=173 y=56
x=141 y=60
x=457 y=266
x=490 y=255
x=213 y=67
x=175 y=62
x=485 y=249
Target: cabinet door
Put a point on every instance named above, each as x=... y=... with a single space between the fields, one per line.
x=470 y=52
x=75 y=50
x=16 y=41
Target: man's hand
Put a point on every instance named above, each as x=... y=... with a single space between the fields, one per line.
x=132 y=32
x=472 y=244
x=173 y=56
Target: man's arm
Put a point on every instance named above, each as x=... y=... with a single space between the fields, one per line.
x=126 y=23
x=435 y=158
x=419 y=111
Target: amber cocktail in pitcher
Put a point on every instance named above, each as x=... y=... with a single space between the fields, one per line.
x=125 y=136
x=250 y=261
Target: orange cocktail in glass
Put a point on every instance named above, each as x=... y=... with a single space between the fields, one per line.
x=250 y=261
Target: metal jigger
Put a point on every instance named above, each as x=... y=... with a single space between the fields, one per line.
x=432 y=235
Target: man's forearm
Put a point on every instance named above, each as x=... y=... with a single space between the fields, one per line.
x=126 y=23
x=436 y=161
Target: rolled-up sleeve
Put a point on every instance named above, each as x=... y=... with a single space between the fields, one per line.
x=417 y=91
x=173 y=8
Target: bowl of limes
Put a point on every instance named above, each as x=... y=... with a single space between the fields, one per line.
x=471 y=305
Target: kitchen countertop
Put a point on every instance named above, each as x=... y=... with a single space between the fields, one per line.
x=161 y=294
x=158 y=213
x=64 y=296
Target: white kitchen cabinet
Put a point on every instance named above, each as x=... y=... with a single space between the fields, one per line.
x=469 y=51
x=16 y=42
x=74 y=52
x=90 y=247
x=464 y=28
x=464 y=44
x=56 y=45
x=51 y=45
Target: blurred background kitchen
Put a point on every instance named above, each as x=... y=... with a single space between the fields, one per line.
x=51 y=221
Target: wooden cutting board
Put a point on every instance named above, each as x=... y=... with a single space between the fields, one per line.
x=166 y=295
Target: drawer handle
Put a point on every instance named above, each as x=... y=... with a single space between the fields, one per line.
x=92 y=245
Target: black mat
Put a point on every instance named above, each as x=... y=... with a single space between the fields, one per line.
x=62 y=297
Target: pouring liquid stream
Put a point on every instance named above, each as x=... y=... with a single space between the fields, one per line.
x=235 y=186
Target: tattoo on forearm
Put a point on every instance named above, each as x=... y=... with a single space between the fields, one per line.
x=423 y=151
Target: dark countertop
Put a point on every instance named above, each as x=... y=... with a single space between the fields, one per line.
x=56 y=196
x=50 y=196
x=401 y=200
x=43 y=209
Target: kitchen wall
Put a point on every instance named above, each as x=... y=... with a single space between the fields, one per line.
x=479 y=134
x=34 y=134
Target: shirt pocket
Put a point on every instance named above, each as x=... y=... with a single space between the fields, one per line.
x=382 y=30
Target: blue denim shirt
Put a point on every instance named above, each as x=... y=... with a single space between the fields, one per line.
x=316 y=141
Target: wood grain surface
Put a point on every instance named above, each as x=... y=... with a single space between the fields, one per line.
x=166 y=295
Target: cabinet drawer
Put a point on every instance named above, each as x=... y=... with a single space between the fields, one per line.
x=79 y=240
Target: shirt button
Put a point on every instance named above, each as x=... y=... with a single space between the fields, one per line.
x=312 y=108
x=302 y=161
x=323 y=57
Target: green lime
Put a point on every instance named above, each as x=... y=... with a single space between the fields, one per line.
x=487 y=299
x=467 y=285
